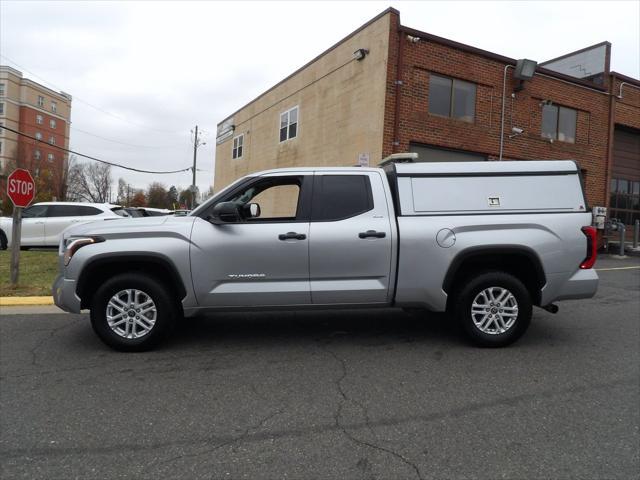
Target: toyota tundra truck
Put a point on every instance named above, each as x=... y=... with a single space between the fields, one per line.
x=483 y=241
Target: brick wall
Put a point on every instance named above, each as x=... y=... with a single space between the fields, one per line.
x=523 y=110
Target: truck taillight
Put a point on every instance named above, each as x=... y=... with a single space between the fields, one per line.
x=592 y=247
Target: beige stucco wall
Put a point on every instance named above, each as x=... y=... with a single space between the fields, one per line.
x=340 y=116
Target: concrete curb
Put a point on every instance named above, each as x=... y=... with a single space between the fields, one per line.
x=21 y=301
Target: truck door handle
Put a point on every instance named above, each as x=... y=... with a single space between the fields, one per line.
x=292 y=236
x=372 y=234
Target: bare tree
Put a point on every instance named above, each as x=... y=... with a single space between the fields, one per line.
x=89 y=182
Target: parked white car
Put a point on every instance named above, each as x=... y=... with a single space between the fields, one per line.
x=42 y=223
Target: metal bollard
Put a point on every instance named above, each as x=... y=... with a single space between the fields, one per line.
x=636 y=232
x=622 y=229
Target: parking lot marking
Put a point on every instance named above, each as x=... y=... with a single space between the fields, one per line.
x=617 y=268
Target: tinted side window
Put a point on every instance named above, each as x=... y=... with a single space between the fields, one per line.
x=71 y=211
x=336 y=197
x=35 y=211
x=86 y=211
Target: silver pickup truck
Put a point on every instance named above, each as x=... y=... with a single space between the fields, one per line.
x=485 y=241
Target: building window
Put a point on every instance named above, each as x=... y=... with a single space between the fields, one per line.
x=289 y=124
x=50 y=157
x=37 y=154
x=1 y=108
x=52 y=140
x=54 y=106
x=449 y=97
x=559 y=123
x=238 y=146
x=38 y=136
x=0 y=148
x=39 y=119
x=624 y=203
x=52 y=123
x=1 y=89
x=40 y=101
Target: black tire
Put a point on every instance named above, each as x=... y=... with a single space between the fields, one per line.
x=492 y=336
x=166 y=311
x=3 y=241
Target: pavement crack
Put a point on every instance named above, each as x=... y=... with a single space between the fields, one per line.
x=346 y=399
x=247 y=431
x=52 y=333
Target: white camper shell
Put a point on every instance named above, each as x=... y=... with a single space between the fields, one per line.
x=466 y=188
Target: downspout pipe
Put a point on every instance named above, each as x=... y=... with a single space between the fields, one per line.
x=504 y=101
x=396 y=116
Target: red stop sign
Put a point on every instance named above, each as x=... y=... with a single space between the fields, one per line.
x=20 y=187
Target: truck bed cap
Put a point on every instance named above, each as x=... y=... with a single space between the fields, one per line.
x=519 y=167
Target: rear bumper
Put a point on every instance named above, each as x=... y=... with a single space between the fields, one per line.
x=64 y=294
x=582 y=284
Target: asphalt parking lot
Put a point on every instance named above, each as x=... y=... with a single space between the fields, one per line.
x=336 y=394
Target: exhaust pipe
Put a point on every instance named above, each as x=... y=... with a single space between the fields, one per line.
x=551 y=308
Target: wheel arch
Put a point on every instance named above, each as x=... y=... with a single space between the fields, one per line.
x=518 y=260
x=96 y=271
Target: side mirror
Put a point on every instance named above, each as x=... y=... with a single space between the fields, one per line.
x=251 y=210
x=225 y=212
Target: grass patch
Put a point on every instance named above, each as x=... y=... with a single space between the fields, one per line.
x=38 y=269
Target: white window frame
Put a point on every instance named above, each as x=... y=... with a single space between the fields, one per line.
x=50 y=157
x=238 y=145
x=54 y=106
x=39 y=119
x=37 y=154
x=288 y=114
x=52 y=140
x=40 y=101
x=38 y=136
x=52 y=123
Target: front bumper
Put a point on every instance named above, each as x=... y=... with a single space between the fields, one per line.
x=64 y=294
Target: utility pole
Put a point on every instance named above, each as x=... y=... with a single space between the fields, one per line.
x=196 y=143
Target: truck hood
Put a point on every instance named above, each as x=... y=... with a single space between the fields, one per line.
x=129 y=227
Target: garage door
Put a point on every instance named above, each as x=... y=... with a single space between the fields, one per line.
x=624 y=202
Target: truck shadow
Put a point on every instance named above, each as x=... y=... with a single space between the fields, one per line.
x=374 y=328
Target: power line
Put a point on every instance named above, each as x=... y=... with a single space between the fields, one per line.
x=119 y=142
x=100 y=109
x=92 y=158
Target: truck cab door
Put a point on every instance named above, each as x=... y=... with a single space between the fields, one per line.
x=258 y=260
x=351 y=239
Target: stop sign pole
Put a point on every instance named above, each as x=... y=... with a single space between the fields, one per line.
x=20 y=189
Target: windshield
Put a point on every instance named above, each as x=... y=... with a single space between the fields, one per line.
x=202 y=207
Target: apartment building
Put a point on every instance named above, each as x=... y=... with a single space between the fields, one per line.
x=388 y=88
x=42 y=113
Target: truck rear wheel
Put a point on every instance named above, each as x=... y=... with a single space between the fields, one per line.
x=132 y=312
x=493 y=308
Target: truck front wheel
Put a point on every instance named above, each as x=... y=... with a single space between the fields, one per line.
x=132 y=312
x=493 y=308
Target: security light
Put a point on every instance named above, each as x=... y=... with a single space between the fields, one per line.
x=360 y=54
x=525 y=69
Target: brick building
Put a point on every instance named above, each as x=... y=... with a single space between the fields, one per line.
x=31 y=108
x=388 y=88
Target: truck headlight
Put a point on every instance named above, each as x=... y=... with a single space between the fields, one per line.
x=72 y=245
